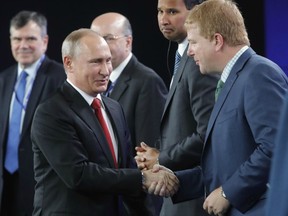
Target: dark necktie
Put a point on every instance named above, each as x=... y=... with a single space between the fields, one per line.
x=219 y=87
x=96 y=104
x=11 y=158
x=177 y=62
x=176 y=65
x=109 y=88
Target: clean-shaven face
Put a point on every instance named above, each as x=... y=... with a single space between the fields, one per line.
x=171 y=18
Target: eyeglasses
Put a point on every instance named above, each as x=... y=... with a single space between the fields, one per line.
x=110 y=38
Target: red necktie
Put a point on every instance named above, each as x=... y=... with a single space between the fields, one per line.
x=96 y=104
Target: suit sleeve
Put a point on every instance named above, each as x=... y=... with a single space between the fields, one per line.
x=261 y=106
x=191 y=185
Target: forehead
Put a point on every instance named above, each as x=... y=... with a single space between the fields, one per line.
x=107 y=26
x=192 y=29
x=94 y=45
x=31 y=28
x=171 y=4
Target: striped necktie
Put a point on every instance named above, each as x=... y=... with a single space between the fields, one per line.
x=177 y=62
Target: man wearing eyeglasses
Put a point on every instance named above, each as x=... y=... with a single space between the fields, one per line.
x=138 y=88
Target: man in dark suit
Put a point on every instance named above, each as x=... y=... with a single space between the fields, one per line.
x=242 y=128
x=278 y=187
x=29 y=40
x=74 y=167
x=187 y=109
x=139 y=89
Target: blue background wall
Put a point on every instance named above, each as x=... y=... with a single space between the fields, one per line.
x=276 y=32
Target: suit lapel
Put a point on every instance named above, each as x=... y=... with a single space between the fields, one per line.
x=232 y=78
x=36 y=92
x=123 y=80
x=8 y=84
x=176 y=79
x=115 y=120
x=85 y=112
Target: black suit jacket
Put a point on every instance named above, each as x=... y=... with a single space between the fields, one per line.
x=142 y=94
x=50 y=76
x=73 y=165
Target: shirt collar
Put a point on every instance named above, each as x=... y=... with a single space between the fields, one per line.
x=88 y=98
x=118 y=70
x=182 y=46
x=231 y=63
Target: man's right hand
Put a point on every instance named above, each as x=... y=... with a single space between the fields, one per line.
x=146 y=156
x=160 y=181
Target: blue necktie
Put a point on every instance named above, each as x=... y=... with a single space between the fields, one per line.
x=176 y=65
x=177 y=62
x=109 y=88
x=11 y=159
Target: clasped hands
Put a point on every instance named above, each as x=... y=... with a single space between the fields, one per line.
x=147 y=160
x=159 y=180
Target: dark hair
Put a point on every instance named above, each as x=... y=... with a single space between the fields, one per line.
x=23 y=17
x=191 y=3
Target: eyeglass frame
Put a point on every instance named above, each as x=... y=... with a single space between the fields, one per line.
x=110 y=37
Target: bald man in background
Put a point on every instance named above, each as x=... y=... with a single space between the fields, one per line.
x=138 y=88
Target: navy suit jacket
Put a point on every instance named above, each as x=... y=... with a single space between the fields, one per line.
x=73 y=166
x=278 y=192
x=50 y=76
x=241 y=135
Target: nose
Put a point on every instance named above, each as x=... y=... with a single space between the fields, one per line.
x=23 y=43
x=190 y=51
x=106 y=69
x=163 y=19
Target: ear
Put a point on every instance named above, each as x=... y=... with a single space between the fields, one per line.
x=129 y=40
x=219 y=41
x=67 y=62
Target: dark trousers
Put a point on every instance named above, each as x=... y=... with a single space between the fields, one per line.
x=10 y=205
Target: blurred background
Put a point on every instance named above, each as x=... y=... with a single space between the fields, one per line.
x=266 y=22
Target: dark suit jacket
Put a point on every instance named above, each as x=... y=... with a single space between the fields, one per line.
x=278 y=192
x=50 y=76
x=183 y=125
x=73 y=165
x=185 y=117
x=241 y=134
x=142 y=94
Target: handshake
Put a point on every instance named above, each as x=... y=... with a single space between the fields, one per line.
x=157 y=179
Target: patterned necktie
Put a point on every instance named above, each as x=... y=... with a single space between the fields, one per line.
x=176 y=65
x=177 y=62
x=219 y=87
x=11 y=158
x=96 y=104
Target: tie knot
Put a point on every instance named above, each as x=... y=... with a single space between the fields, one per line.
x=96 y=104
x=220 y=84
x=219 y=87
x=23 y=75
